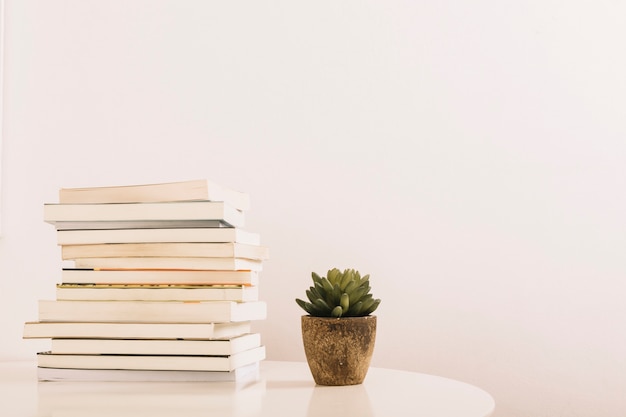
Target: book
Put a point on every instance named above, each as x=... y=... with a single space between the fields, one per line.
x=142 y=276
x=152 y=362
x=190 y=235
x=163 y=292
x=244 y=373
x=132 y=214
x=192 y=263
x=180 y=249
x=156 y=347
x=67 y=225
x=151 y=311
x=182 y=397
x=103 y=330
x=201 y=189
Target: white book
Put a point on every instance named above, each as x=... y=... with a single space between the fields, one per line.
x=131 y=213
x=181 y=263
x=223 y=347
x=165 y=250
x=244 y=373
x=104 y=330
x=152 y=362
x=202 y=189
x=125 y=292
x=188 y=234
x=138 y=276
x=63 y=226
x=151 y=311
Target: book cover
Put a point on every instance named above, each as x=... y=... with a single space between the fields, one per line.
x=223 y=347
x=180 y=263
x=165 y=250
x=149 y=212
x=156 y=277
x=92 y=225
x=164 y=292
x=158 y=235
x=151 y=311
x=152 y=362
x=200 y=189
x=244 y=373
x=104 y=330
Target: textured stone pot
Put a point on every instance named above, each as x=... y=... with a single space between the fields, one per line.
x=338 y=351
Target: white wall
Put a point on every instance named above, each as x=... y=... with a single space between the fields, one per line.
x=468 y=155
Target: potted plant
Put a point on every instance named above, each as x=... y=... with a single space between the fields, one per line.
x=339 y=331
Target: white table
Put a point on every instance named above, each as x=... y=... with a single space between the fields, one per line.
x=283 y=389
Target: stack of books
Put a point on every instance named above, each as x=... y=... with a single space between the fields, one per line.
x=159 y=282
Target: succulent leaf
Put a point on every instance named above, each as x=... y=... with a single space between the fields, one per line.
x=373 y=307
x=301 y=303
x=355 y=309
x=357 y=294
x=352 y=285
x=315 y=291
x=348 y=277
x=345 y=301
x=328 y=287
x=321 y=304
x=339 y=294
x=308 y=307
x=332 y=275
x=336 y=295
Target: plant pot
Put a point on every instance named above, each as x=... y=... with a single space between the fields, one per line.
x=338 y=350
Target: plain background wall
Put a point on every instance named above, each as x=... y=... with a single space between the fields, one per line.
x=468 y=155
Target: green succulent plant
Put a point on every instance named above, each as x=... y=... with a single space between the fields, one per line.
x=339 y=294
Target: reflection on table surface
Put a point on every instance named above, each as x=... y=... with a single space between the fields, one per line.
x=157 y=399
x=281 y=389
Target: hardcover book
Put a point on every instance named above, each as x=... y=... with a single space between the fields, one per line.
x=165 y=292
x=132 y=214
x=104 y=330
x=152 y=362
x=165 y=250
x=224 y=347
x=151 y=311
x=185 y=235
x=156 y=277
x=180 y=263
x=202 y=189
x=92 y=225
x=244 y=373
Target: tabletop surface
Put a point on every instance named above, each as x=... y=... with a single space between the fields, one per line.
x=282 y=389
